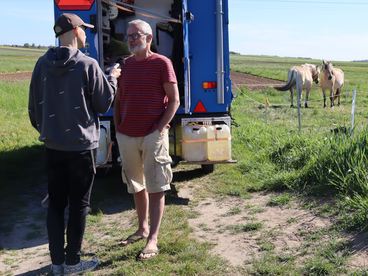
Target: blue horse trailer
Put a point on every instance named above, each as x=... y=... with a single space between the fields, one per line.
x=194 y=35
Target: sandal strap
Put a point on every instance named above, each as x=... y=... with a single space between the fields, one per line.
x=135 y=237
x=149 y=251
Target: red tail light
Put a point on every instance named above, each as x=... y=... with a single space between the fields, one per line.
x=67 y=5
x=209 y=85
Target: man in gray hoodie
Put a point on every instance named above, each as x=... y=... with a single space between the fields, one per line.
x=67 y=92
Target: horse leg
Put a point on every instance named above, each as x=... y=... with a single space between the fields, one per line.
x=307 y=91
x=337 y=95
x=292 y=97
x=332 y=97
x=299 y=90
x=324 y=98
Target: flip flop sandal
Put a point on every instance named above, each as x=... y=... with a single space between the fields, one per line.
x=147 y=254
x=132 y=239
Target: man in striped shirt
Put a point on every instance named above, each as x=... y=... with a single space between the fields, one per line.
x=146 y=102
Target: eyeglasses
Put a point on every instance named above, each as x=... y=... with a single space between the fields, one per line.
x=135 y=36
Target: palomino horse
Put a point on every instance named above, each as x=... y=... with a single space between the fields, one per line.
x=300 y=77
x=333 y=80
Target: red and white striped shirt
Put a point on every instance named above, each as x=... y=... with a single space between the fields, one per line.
x=143 y=100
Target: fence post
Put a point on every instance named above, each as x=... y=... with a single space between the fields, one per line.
x=299 y=111
x=353 y=111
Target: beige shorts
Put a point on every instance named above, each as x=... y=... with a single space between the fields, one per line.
x=146 y=163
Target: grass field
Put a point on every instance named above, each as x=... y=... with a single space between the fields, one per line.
x=277 y=68
x=18 y=59
x=272 y=156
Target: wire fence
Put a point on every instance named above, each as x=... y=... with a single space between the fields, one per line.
x=348 y=116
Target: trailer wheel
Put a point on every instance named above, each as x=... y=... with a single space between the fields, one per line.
x=175 y=161
x=208 y=168
x=102 y=172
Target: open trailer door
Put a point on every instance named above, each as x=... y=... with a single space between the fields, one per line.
x=187 y=17
x=87 y=10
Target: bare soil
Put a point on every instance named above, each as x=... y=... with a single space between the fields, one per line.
x=283 y=228
x=18 y=76
x=287 y=230
x=252 y=82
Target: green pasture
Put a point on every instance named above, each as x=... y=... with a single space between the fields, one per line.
x=272 y=155
x=327 y=157
x=277 y=68
x=15 y=59
x=20 y=153
x=15 y=131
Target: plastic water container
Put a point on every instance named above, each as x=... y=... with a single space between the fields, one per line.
x=219 y=143
x=175 y=139
x=194 y=143
x=206 y=143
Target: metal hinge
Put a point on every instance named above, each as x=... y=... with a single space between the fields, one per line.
x=189 y=16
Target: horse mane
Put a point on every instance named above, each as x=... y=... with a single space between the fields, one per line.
x=314 y=70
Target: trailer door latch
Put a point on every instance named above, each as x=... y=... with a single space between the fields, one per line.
x=189 y=16
x=93 y=21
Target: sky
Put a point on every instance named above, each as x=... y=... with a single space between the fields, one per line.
x=321 y=29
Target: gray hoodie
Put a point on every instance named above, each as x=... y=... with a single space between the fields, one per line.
x=68 y=90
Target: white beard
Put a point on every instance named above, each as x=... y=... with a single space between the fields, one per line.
x=139 y=48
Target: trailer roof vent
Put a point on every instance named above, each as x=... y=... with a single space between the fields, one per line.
x=68 y=5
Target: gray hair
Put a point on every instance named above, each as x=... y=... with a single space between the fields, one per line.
x=143 y=25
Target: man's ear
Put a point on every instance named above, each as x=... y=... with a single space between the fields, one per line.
x=149 y=38
x=76 y=31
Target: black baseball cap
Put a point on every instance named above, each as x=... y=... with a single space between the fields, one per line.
x=67 y=22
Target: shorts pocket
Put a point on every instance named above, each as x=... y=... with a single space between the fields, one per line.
x=163 y=170
x=123 y=176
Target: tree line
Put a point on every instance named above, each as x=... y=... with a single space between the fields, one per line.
x=28 y=45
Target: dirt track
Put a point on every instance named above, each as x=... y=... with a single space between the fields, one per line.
x=252 y=82
x=239 y=79
x=15 y=76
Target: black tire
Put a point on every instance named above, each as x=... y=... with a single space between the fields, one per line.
x=208 y=168
x=175 y=161
x=102 y=172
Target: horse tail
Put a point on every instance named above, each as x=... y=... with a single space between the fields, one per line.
x=290 y=83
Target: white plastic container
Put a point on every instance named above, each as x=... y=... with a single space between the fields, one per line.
x=219 y=143
x=206 y=143
x=194 y=143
